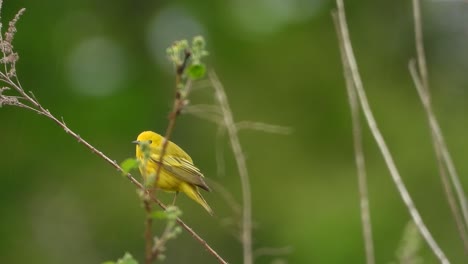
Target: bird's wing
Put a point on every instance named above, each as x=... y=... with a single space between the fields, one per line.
x=175 y=151
x=182 y=169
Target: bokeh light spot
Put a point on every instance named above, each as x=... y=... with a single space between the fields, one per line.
x=96 y=67
x=264 y=17
x=168 y=25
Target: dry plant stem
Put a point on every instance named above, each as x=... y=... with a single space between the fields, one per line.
x=148 y=229
x=156 y=250
x=359 y=156
x=241 y=166
x=437 y=148
x=357 y=83
x=424 y=94
x=39 y=109
x=194 y=235
x=267 y=251
x=179 y=102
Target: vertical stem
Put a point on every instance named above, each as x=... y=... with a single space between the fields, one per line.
x=148 y=230
x=443 y=155
x=408 y=201
x=241 y=166
x=455 y=210
x=359 y=156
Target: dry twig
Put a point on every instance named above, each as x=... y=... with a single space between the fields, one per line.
x=358 y=86
x=421 y=81
x=358 y=154
x=241 y=166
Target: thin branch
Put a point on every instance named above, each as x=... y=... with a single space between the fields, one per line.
x=194 y=234
x=358 y=154
x=263 y=127
x=206 y=112
x=442 y=153
x=418 y=35
x=220 y=163
x=148 y=230
x=455 y=210
x=179 y=102
x=408 y=201
x=270 y=251
x=241 y=166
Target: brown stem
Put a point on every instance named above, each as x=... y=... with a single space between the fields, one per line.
x=148 y=231
x=359 y=156
x=179 y=100
x=350 y=62
x=444 y=162
x=232 y=130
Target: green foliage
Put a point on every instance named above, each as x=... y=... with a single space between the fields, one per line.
x=178 y=52
x=196 y=71
x=159 y=214
x=126 y=259
x=128 y=165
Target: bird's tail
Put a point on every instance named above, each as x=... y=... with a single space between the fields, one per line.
x=192 y=192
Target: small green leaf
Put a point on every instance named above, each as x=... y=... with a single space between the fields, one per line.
x=159 y=214
x=127 y=259
x=128 y=165
x=196 y=71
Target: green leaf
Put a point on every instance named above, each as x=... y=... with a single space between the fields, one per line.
x=196 y=71
x=127 y=259
x=128 y=165
x=159 y=214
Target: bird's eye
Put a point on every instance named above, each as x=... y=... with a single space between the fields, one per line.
x=150 y=141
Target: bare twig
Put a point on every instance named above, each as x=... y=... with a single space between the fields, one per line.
x=408 y=201
x=241 y=166
x=358 y=154
x=179 y=101
x=220 y=164
x=270 y=251
x=440 y=162
x=148 y=230
x=441 y=150
x=263 y=127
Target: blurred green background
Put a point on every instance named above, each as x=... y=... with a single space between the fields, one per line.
x=101 y=65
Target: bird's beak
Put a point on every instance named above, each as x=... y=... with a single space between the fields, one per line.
x=136 y=142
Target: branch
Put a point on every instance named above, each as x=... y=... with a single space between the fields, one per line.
x=358 y=86
x=148 y=230
x=179 y=101
x=442 y=154
x=455 y=210
x=241 y=166
x=358 y=154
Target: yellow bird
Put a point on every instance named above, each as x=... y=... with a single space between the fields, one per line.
x=178 y=174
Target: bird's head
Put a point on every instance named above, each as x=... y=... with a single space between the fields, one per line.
x=147 y=139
